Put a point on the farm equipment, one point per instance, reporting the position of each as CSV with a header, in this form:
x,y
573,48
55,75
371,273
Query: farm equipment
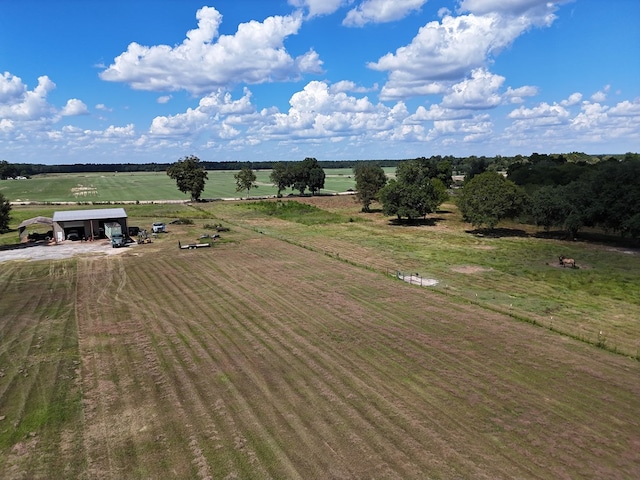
x,y
220,228
143,237
208,235
192,246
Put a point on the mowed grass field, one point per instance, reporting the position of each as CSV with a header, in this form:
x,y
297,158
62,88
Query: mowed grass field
x,y
145,186
290,350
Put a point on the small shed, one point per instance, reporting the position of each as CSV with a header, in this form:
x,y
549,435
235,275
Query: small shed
x,y
87,224
22,228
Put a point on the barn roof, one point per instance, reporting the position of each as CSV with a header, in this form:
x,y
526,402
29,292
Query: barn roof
x,y
31,221
96,214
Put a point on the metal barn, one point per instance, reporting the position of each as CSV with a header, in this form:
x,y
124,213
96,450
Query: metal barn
x,y
86,224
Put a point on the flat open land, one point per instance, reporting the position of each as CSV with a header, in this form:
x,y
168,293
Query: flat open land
x,y
293,351
145,186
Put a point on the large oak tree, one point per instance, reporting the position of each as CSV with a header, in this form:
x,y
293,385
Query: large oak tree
x,y
413,193
370,178
488,198
190,176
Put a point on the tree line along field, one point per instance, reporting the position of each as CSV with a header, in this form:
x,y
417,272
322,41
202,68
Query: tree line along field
x,y
145,186
290,350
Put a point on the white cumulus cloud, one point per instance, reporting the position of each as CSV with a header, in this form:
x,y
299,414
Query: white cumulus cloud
x,y
205,61
626,109
349,86
319,112
446,51
319,7
601,95
19,103
574,99
478,92
540,12
74,107
211,114
540,111
380,11
515,95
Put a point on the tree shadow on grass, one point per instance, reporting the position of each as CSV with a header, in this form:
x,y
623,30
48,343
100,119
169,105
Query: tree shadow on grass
x,y
553,235
600,238
498,232
372,210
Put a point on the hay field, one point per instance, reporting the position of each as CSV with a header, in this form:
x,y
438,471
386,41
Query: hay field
x,y
288,351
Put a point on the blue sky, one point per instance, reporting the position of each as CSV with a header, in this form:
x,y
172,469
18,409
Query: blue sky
x,y
134,81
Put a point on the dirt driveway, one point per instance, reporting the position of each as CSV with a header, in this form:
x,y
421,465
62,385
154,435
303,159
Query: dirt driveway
x,y
53,251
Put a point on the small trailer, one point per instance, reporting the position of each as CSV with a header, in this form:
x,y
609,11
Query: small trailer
x,y
192,246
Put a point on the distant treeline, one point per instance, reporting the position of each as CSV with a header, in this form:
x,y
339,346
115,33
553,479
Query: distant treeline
x,y
460,165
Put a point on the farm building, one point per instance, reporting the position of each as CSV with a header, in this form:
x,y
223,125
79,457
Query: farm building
x,y
22,228
78,224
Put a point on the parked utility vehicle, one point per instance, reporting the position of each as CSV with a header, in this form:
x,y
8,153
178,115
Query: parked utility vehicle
x,y
117,240
158,227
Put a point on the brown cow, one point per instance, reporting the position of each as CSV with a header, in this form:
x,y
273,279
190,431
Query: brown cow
x,y
567,262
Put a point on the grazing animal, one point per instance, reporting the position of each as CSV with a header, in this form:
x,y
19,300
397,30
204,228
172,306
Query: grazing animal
x,y
567,262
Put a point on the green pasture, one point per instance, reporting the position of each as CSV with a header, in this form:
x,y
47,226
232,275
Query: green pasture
x,y
515,272
145,186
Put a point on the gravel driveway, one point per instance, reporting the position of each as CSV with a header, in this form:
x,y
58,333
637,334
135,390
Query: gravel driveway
x,y
53,251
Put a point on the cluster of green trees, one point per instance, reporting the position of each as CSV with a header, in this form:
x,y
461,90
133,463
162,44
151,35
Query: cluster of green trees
x,y
569,192
564,192
190,176
7,170
419,187
552,192
303,175
605,195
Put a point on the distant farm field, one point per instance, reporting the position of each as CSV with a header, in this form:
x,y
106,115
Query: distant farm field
x,y
149,186
290,349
